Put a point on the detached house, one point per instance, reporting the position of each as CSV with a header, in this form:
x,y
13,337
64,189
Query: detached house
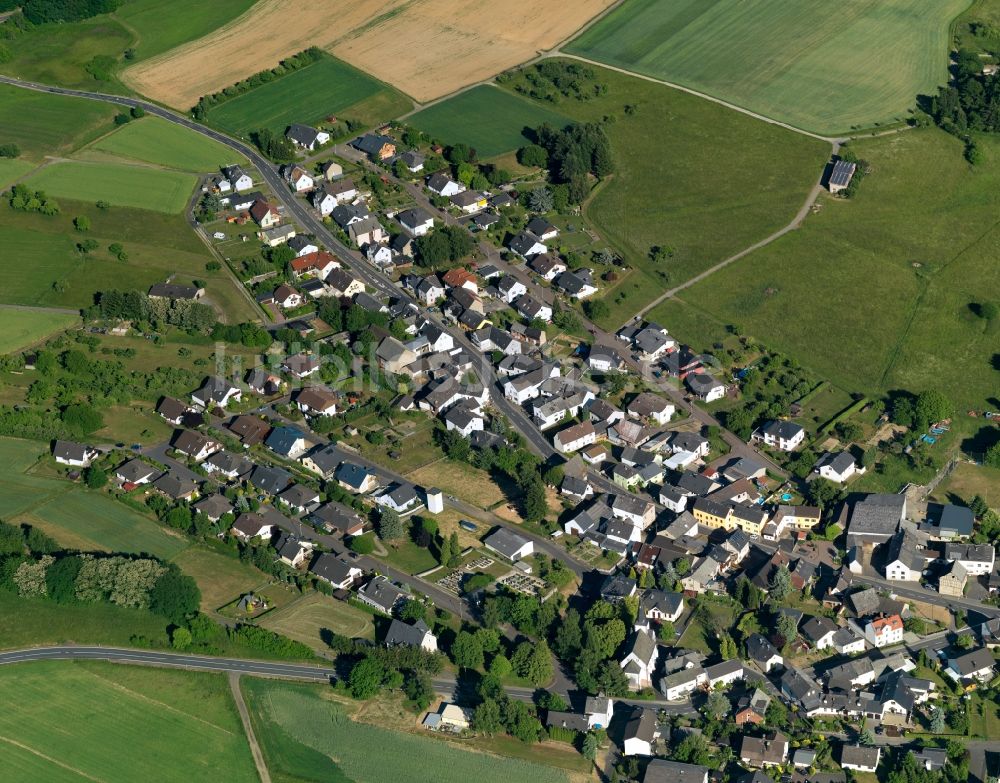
x,y
332,194
650,406
298,178
443,185
416,635
356,478
74,454
639,662
381,594
526,245
767,751
216,391
306,137
264,215
375,146
705,387
975,665
574,438
335,571
416,222
195,445
837,467
317,401
884,630
236,179
783,435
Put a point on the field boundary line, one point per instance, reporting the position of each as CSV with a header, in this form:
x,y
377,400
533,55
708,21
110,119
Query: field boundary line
x,y
51,760
143,697
697,94
241,708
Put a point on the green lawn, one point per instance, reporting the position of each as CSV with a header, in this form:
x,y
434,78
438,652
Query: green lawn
x,y
691,175
42,124
161,25
301,734
327,87
155,140
876,293
23,328
487,118
119,184
110,723
818,65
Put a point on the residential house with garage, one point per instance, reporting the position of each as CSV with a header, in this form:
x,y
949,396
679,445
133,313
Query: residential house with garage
x,y
640,732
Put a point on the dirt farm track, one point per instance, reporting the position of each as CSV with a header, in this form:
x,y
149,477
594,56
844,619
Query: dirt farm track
x,y
426,48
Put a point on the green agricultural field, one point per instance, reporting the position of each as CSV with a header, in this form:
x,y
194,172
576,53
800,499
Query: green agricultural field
x,y
42,124
689,177
487,118
818,65
327,87
51,272
83,519
301,734
60,53
26,622
118,184
161,25
24,328
154,140
127,725
12,170
74,516
878,292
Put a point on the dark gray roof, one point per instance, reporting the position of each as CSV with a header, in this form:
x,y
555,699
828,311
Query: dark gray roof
x,y
406,634
336,516
662,771
759,649
331,568
302,134
353,475
270,479
574,721
383,593
505,541
641,725
65,449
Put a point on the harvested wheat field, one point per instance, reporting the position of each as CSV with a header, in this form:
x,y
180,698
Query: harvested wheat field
x,y
426,48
